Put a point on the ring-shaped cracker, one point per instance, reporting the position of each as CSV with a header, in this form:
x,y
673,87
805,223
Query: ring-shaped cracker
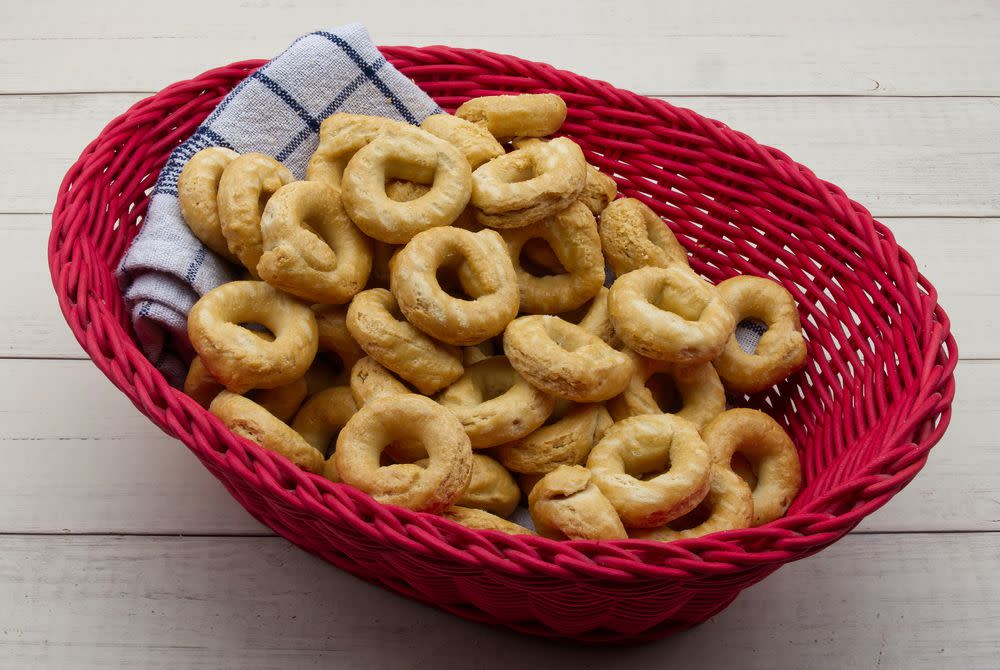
x,y
572,236
770,453
529,184
728,505
412,155
508,116
487,276
341,135
320,421
472,140
567,440
670,314
247,419
495,404
564,360
481,520
633,236
491,488
311,248
595,318
394,417
235,355
375,323
334,337
197,193
567,504
781,349
246,185
653,469
693,392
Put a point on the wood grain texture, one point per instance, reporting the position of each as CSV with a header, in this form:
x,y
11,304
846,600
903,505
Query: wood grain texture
x,y
769,47
955,254
897,156
78,458
915,602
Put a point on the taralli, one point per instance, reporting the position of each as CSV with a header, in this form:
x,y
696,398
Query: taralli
x,y
311,248
572,235
197,193
248,419
482,520
334,337
670,314
495,404
566,504
340,137
282,401
491,488
529,184
728,505
770,453
508,116
595,318
633,237
653,469
369,380
413,155
394,417
565,360
599,190
375,322
781,349
488,279
472,140
566,441
235,355
246,185
692,392
321,419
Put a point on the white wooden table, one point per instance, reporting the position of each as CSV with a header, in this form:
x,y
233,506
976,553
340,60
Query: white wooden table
x,y
118,550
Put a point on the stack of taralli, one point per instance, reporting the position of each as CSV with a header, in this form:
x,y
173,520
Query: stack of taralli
x,y
427,317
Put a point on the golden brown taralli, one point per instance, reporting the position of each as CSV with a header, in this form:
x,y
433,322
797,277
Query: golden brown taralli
x,y
572,236
769,451
481,520
246,185
567,504
395,417
564,360
238,357
567,440
472,140
495,404
728,505
310,247
508,116
653,469
692,392
375,322
670,314
248,419
633,237
321,419
781,349
197,193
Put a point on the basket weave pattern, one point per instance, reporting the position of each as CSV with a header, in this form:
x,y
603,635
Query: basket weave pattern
x,y
875,397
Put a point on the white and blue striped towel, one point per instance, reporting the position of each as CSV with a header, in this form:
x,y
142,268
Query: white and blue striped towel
x,y
276,111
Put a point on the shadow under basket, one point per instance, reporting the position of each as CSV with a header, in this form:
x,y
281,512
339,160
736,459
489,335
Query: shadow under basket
x,y
874,398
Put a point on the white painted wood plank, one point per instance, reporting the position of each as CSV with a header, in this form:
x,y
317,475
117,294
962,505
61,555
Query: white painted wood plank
x,y
914,601
957,255
898,156
79,458
710,47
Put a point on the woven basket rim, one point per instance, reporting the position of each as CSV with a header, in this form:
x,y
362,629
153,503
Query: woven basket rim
x,y
113,350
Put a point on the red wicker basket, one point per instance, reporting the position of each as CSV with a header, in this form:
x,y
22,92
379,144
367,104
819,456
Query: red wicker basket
x,y
875,397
